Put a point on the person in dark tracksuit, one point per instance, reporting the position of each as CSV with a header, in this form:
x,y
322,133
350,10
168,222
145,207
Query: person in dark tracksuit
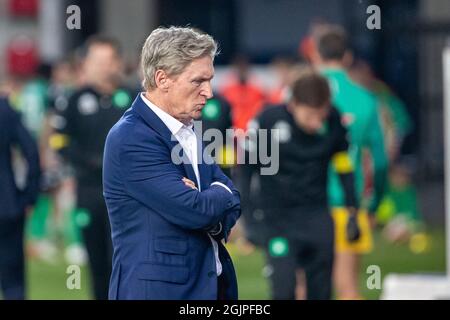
x,y
14,202
80,136
298,227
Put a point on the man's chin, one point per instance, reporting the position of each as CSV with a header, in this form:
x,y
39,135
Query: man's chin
x,y
197,115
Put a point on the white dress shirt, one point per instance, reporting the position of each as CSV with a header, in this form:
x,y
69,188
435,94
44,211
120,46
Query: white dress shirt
x,y
188,141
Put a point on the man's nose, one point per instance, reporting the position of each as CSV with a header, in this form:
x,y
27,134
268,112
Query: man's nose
x,y
207,90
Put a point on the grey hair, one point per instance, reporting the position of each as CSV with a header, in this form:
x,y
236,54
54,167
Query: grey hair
x,y
172,50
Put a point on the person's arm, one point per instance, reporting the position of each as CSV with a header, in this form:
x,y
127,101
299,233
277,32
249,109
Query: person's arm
x,y
222,229
402,120
342,162
232,215
22,138
375,144
248,148
153,179
343,166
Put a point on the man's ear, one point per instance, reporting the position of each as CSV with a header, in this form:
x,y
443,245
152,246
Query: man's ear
x,y
162,80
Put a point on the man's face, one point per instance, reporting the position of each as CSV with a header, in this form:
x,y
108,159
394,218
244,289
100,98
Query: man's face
x,y
102,64
310,119
188,92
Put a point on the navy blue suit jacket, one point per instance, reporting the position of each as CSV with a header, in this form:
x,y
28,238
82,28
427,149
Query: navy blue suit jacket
x,y
161,246
13,200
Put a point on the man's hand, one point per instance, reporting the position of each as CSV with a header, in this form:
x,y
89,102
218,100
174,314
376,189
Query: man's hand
x,y
214,231
221,230
189,183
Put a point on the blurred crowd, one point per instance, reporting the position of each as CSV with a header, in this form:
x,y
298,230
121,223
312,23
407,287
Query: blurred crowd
x,y
68,108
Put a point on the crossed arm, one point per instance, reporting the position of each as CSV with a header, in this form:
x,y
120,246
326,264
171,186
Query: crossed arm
x,y
153,179
223,228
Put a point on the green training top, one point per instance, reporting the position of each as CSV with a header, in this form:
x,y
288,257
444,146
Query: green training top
x,y
359,112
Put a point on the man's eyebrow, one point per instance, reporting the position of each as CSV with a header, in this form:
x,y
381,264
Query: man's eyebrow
x,y
200,78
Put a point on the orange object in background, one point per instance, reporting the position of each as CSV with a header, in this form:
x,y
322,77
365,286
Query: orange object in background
x,y
246,101
306,48
242,93
276,96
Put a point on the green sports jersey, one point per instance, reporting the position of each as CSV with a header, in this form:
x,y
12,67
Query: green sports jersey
x,y
397,109
359,112
32,104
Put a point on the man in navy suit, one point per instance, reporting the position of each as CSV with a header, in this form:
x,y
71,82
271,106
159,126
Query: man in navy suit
x,y
169,207
14,202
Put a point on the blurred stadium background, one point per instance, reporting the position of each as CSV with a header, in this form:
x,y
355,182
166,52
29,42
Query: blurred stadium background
x,y
406,54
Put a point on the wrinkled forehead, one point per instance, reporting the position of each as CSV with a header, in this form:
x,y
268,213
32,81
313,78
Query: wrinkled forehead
x,y
200,68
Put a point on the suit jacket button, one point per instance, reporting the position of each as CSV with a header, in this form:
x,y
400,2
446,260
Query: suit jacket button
x,y
211,274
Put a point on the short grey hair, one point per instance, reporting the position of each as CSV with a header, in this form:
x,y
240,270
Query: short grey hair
x,y
172,50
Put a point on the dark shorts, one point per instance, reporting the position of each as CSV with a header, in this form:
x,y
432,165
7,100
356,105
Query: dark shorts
x,y
303,241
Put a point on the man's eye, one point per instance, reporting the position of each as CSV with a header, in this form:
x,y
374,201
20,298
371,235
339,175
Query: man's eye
x,y
196,82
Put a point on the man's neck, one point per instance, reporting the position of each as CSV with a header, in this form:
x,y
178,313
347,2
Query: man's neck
x,y
155,98
158,101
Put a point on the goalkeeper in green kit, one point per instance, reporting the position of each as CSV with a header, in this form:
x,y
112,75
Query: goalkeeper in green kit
x,y
360,115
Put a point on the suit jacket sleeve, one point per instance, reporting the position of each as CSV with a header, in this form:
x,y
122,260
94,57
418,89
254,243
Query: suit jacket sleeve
x,y
22,138
151,177
342,162
232,214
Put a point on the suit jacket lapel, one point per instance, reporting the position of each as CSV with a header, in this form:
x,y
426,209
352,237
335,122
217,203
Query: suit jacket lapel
x,y
158,125
203,168
189,169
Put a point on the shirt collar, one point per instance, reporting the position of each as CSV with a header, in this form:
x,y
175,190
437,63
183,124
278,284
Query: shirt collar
x,y
173,124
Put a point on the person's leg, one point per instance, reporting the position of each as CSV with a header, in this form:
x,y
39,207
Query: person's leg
x,y
40,230
282,267
65,202
98,247
12,262
97,238
345,275
319,261
348,254
74,251
318,278
300,288
37,223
